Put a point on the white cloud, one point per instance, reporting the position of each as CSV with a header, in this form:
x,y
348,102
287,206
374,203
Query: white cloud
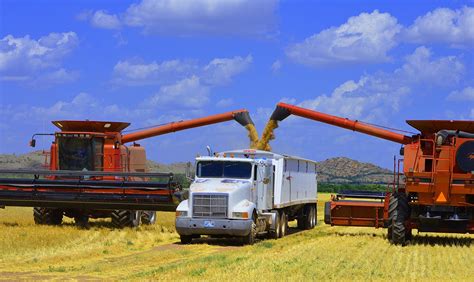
x,y
231,17
466,94
26,59
219,71
137,72
102,19
420,67
276,66
187,93
224,103
375,97
443,25
364,38
472,113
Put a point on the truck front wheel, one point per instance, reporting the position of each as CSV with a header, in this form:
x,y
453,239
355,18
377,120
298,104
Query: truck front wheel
x,y
250,238
186,239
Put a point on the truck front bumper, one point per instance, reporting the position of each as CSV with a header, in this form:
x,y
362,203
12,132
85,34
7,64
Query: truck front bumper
x,y
198,226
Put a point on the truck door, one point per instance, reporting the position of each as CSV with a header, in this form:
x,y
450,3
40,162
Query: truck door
x,y
265,184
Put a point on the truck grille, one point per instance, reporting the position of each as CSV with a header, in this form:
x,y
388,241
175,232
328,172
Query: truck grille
x,y
208,205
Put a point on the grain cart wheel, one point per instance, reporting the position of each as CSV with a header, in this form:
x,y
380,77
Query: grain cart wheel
x,y
398,216
283,224
47,216
275,234
81,220
149,217
126,218
250,238
186,239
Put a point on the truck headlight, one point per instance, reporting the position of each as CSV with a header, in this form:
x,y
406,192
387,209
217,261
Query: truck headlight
x,y
181,213
241,214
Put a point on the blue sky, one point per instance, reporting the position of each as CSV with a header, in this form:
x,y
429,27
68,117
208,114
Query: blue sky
x,y
151,62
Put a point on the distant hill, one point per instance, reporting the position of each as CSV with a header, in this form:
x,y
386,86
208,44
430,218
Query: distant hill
x,y
334,170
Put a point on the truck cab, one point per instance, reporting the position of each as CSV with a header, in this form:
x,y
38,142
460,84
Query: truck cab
x,y
239,194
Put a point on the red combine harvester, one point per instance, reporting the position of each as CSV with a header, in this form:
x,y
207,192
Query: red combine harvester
x,y
92,174
438,191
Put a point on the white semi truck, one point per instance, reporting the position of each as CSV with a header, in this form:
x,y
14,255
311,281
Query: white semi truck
x,y
248,193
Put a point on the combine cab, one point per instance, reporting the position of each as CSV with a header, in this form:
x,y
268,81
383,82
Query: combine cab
x,y
438,170
93,174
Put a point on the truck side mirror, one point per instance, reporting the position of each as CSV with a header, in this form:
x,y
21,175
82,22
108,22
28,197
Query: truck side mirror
x,y
33,143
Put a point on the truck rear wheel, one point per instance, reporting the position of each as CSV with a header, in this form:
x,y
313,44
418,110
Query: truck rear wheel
x,y
126,218
283,224
149,217
275,234
48,216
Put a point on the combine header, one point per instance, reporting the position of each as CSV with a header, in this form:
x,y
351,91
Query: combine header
x,y
93,174
438,168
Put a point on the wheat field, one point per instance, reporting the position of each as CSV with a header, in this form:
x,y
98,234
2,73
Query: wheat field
x,y
31,252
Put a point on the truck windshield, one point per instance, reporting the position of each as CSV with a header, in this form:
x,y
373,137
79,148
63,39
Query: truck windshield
x,y
224,169
77,153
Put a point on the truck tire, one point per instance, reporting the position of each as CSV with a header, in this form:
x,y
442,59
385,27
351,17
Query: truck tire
x,y
186,239
149,217
398,214
301,220
250,238
47,216
275,234
309,214
126,218
283,224
327,212
314,216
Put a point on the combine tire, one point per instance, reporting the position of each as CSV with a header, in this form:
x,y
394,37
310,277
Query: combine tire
x,y
283,224
149,217
399,212
186,239
47,216
126,218
275,234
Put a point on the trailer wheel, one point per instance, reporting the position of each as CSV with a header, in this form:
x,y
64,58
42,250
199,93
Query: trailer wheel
x,y
314,216
283,224
126,218
149,217
398,214
47,216
186,239
309,217
275,234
